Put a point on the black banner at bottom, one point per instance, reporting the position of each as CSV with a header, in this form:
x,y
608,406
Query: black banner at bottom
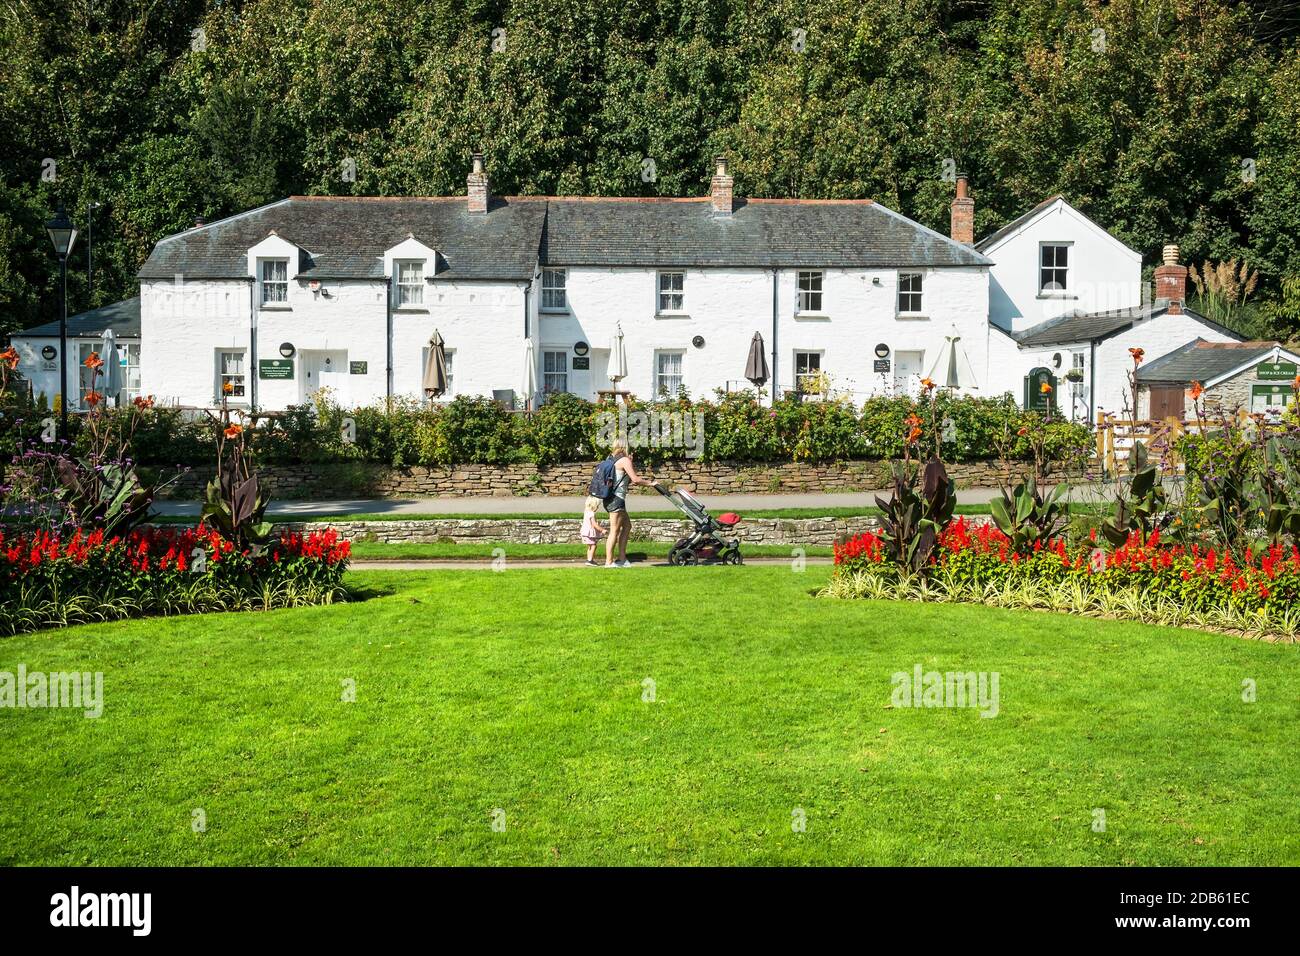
x,y
337,905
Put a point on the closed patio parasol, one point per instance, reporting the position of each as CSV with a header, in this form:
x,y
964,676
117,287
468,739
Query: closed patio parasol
x,y
756,364
110,383
435,368
952,369
617,357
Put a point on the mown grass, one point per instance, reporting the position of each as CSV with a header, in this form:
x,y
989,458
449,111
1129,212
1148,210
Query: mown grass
x,y
525,691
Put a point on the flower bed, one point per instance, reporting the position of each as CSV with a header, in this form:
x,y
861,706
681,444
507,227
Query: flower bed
x,y
1255,593
49,581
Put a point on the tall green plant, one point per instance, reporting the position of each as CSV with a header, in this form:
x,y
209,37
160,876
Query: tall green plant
x,y
1143,507
1029,517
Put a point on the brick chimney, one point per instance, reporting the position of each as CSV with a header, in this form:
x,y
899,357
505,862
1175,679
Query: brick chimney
x,y
963,213
480,190
720,193
1171,282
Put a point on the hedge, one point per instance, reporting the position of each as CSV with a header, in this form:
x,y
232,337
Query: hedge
x,y
737,427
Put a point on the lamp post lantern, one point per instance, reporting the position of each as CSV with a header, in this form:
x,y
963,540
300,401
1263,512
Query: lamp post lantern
x,y
62,236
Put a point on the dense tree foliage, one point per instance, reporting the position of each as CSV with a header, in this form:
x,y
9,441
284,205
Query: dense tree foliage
x,y
1165,120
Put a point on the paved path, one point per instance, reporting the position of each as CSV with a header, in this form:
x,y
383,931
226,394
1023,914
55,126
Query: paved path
x,y
518,564
567,505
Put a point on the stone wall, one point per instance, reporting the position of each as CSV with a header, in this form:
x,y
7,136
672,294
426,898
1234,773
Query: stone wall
x,y
503,481
787,531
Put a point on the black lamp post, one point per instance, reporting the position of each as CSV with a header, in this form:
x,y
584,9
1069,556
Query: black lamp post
x,y
62,234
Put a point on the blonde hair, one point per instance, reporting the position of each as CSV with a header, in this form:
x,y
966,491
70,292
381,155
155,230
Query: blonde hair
x,y
592,503
619,446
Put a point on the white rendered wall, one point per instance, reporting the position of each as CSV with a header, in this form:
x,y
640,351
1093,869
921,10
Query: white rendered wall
x,y
1103,273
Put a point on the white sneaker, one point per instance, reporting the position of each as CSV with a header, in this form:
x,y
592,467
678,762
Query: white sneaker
x,y
625,563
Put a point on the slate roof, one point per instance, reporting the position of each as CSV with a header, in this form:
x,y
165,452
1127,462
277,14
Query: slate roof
x,y
759,233
122,317
1202,361
1094,326
345,237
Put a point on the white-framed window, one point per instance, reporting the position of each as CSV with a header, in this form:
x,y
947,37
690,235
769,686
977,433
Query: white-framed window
x,y
274,274
410,282
810,291
1077,361
807,365
555,371
1053,267
910,297
84,375
672,292
129,356
668,373
553,290
449,361
231,368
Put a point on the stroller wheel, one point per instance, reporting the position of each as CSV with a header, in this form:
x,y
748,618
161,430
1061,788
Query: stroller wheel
x,y
686,559
733,557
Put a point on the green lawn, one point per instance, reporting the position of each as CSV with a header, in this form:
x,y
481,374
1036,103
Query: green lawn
x,y
636,550
523,691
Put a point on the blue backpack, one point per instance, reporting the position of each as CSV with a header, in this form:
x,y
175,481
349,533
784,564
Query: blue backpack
x,y
602,478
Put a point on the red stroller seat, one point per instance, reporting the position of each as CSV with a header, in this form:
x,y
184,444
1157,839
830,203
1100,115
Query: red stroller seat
x,y
728,519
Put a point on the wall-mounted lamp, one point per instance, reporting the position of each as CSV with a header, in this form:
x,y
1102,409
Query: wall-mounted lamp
x,y
287,349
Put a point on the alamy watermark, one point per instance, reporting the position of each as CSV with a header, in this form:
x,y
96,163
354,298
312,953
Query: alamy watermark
x,y
654,429
37,690
922,688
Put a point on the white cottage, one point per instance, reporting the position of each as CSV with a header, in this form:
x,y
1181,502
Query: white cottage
x,y
1067,303
528,294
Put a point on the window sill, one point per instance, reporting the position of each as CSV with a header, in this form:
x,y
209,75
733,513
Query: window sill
x,y
912,317
1056,295
275,308
553,311
412,309
813,316
672,315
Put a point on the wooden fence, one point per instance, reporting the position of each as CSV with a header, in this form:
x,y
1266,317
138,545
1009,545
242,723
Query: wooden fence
x,y
1117,436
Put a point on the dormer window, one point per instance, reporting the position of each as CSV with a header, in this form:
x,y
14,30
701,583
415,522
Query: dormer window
x,y
410,282
275,281
1053,267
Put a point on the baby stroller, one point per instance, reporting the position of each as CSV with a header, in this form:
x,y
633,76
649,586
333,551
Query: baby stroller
x,y
704,545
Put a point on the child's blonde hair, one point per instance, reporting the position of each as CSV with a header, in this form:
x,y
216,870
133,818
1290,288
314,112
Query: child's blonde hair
x,y
592,504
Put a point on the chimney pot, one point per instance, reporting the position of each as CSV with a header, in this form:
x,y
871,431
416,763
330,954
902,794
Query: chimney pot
x,y
963,213
722,189
478,187
200,221
1171,281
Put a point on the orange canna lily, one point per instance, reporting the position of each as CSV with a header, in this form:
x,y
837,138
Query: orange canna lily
x,y
93,398
227,387
10,357
94,361
1137,354
1045,388
1197,390
233,431
927,384
141,402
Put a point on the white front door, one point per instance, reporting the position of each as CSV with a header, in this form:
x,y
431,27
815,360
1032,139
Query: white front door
x,y
324,369
909,366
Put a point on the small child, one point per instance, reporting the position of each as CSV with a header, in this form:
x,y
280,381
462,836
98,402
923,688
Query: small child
x,y
592,530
